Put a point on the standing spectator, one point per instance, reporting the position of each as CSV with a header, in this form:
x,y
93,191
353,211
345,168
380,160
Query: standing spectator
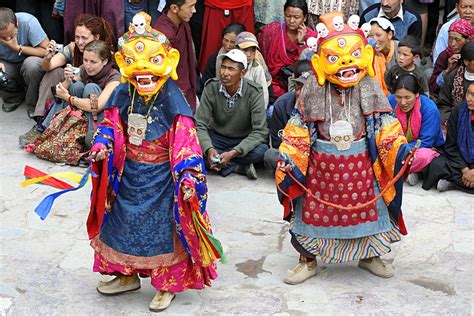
x,y
404,22
459,33
22,45
409,51
454,169
453,90
174,23
282,43
112,11
230,122
218,14
465,9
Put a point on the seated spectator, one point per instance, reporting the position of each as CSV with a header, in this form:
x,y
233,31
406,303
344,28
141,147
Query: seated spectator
x,y
385,49
454,169
459,33
174,23
409,51
22,45
230,121
465,9
282,42
420,120
453,90
248,44
229,35
97,76
282,110
87,29
404,22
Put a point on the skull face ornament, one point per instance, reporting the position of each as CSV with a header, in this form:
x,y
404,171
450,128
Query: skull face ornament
x,y
366,28
341,134
322,30
137,126
353,22
139,23
338,23
312,43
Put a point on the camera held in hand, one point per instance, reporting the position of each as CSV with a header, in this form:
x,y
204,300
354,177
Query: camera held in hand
x,y
3,80
56,99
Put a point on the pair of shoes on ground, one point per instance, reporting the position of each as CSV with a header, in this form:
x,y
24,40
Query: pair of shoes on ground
x,y
124,284
306,269
247,170
444,185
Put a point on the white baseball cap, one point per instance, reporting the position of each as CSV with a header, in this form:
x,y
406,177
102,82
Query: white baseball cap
x,y
236,55
383,23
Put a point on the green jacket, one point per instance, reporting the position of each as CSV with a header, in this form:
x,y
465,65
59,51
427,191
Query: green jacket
x,y
247,119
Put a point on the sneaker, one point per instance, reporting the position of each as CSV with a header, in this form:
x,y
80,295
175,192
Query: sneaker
x,y
444,185
413,179
377,267
118,285
247,170
29,137
161,301
303,271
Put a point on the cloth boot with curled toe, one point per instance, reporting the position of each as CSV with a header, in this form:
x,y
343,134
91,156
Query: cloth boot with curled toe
x,y
120,284
161,301
304,270
377,267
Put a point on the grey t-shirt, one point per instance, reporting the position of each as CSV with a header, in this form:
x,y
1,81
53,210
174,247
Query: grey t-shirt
x,y
30,33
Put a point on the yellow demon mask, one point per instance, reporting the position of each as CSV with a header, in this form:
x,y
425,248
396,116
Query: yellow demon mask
x,y
343,56
145,57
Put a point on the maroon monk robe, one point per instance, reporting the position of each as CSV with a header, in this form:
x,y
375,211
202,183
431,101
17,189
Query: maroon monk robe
x,y
181,39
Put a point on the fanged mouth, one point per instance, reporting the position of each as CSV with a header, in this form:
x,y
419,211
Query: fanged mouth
x,y
146,82
348,74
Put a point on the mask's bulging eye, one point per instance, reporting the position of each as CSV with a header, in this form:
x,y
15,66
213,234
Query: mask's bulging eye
x,y
129,60
356,54
158,60
332,59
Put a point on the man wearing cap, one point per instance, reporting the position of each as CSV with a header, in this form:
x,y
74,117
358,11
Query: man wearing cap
x,y
404,21
230,122
248,44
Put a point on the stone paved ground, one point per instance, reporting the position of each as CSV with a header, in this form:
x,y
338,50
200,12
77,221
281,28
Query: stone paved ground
x,y
45,267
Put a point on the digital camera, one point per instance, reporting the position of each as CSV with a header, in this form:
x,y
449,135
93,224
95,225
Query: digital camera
x,y
3,80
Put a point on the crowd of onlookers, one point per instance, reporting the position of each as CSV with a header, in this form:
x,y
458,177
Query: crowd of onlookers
x,y
242,67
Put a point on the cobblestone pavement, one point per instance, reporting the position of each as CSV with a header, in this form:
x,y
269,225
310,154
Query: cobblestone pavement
x,y
46,265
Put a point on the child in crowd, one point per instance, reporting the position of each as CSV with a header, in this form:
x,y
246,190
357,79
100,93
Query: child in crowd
x,y
248,44
409,51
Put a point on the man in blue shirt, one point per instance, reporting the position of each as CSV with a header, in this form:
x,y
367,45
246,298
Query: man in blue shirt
x,y
405,22
22,46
